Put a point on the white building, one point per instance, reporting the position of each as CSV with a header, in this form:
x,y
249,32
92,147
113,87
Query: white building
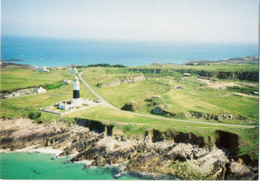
x,y
67,82
43,69
6,95
16,94
76,102
186,74
87,102
74,71
65,105
39,90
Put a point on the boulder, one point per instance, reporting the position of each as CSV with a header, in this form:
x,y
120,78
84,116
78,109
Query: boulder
x,y
124,80
237,170
161,111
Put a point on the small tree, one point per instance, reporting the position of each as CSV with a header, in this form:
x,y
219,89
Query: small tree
x,y
34,114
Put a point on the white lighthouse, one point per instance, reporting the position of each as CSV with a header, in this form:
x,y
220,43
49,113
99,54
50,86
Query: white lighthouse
x,y
76,95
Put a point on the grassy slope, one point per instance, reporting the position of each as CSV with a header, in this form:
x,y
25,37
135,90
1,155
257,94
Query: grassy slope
x,y
21,106
208,67
20,78
194,97
126,123
132,125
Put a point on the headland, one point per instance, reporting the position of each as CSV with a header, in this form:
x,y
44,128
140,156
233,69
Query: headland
x,y
192,121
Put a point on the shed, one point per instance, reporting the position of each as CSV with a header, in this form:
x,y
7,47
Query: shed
x,y
74,71
39,90
67,82
43,69
186,74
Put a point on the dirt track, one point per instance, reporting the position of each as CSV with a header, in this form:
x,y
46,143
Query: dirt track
x,y
157,117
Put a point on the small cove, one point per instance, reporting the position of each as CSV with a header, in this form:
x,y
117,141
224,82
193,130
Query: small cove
x,y
25,165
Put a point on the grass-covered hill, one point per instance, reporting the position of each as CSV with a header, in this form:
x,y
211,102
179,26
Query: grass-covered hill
x,y
178,97
177,94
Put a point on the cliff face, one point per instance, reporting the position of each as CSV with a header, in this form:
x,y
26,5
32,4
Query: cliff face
x,y
184,155
241,75
200,115
251,76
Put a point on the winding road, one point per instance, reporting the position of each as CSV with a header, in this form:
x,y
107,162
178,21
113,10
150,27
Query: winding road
x,y
151,116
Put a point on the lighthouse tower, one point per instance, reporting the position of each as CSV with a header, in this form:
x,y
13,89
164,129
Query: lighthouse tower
x,y
76,96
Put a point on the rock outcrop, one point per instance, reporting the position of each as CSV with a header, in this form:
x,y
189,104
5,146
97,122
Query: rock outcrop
x,y
124,80
206,116
184,155
241,75
238,171
159,110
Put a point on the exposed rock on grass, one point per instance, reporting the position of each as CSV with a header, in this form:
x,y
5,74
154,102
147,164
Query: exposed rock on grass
x,y
124,80
161,111
184,155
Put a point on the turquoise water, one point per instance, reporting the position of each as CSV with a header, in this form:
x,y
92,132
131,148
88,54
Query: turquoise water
x,y
42,166
56,52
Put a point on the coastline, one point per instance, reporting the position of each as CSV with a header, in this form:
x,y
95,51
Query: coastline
x,y
31,149
122,52
87,163
147,155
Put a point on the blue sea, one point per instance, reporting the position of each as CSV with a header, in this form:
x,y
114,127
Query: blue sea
x,y
56,52
42,166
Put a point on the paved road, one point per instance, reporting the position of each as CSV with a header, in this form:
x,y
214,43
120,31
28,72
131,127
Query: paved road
x,y
157,117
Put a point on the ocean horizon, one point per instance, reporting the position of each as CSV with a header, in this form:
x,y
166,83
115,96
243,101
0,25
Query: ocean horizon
x,y
63,52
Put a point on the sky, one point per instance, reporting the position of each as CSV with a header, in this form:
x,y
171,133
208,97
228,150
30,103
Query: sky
x,y
144,20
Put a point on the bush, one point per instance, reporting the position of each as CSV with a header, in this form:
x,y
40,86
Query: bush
x,y
105,65
128,107
53,86
34,115
4,117
127,128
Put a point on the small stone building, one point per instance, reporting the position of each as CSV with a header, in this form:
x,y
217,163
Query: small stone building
x,y
186,74
74,71
65,105
39,90
43,69
67,82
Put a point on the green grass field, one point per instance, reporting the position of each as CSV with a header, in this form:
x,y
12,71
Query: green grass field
x,y
19,78
133,125
194,97
207,67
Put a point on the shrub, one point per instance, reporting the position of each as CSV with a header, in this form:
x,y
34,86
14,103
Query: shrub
x,y
53,86
4,117
34,115
128,107
116,146
246,89
127,128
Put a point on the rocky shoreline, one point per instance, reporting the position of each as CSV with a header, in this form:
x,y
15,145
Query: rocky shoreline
x,y
183,155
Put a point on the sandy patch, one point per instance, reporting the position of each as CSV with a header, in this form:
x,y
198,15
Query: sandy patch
x,y
33,149
218,85
245,95
40,150
249,84
112,144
